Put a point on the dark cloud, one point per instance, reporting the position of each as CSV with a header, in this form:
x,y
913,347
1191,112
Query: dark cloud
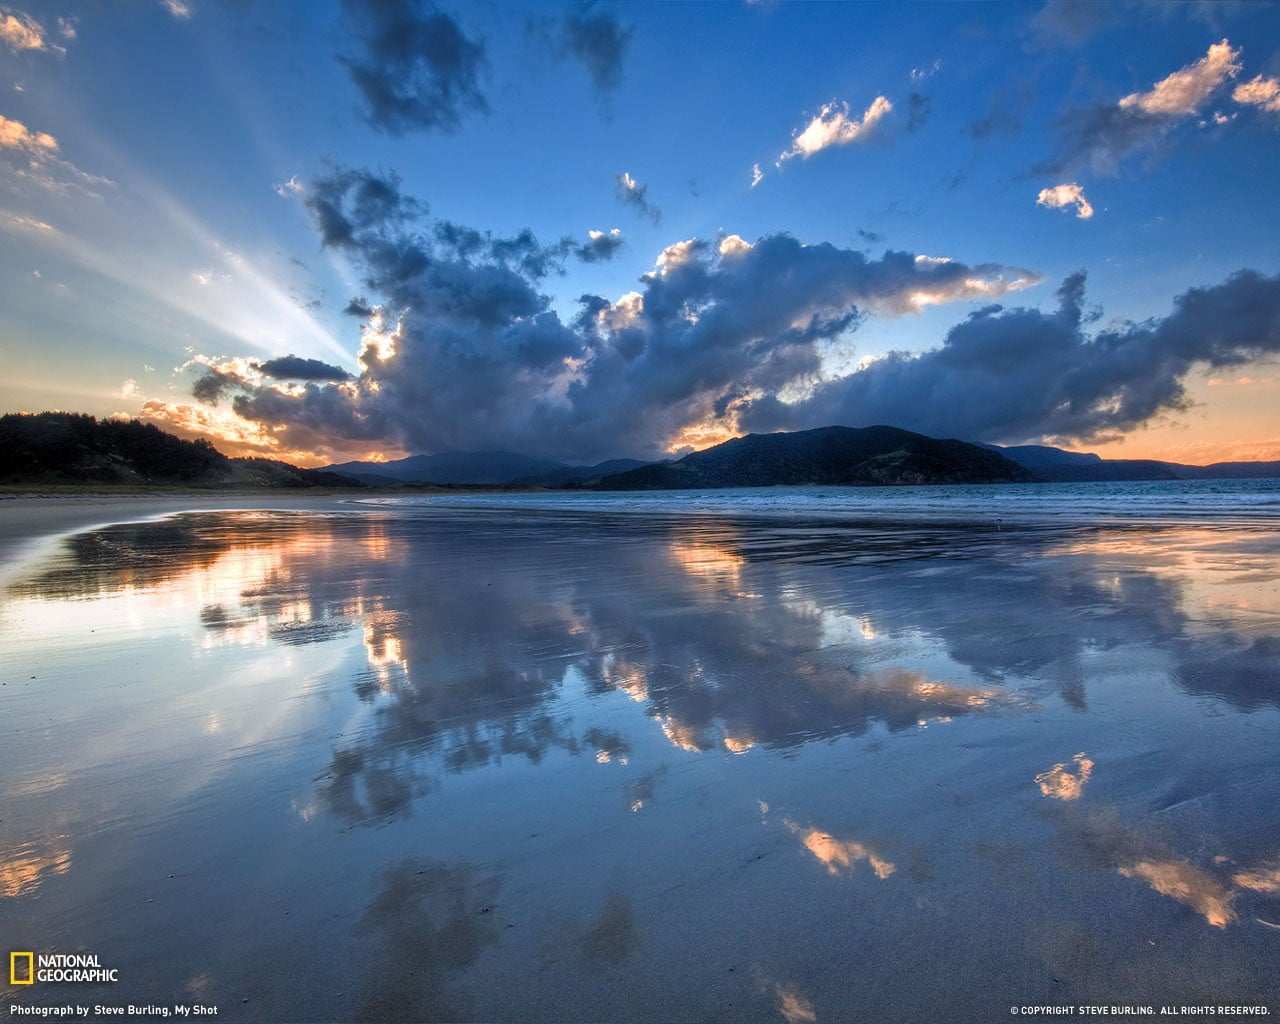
x,y
917,111
1008,109
1099,137
464,349
214,384
870,237
1020,374
1072,23
298,368
599,41
601,246
1069,22
635,194
348,202
414,65
474,357
359,306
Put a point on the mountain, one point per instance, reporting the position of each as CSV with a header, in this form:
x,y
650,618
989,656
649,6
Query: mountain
x,y
1054,465
70,448
454,468
828,455
576,476
1231,471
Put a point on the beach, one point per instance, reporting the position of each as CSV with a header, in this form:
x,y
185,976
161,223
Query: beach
x,y
790,756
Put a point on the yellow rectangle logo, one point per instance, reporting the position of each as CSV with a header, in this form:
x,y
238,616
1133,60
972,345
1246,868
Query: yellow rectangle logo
x,y
17,958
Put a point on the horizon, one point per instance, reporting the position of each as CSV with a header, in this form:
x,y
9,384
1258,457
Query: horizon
x,y
370,232
671,457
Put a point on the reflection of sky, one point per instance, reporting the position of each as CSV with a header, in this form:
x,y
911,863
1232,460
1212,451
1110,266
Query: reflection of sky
x,y
477,688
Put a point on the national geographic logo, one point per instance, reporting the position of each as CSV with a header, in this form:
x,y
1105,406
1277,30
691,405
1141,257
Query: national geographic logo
x,y
28,968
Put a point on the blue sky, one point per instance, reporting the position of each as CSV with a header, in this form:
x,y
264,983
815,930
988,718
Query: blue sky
x,y
166,168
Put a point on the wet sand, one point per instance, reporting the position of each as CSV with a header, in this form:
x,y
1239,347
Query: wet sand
x,y
335,762
26,517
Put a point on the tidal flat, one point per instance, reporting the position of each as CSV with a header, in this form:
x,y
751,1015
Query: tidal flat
x,y
554,763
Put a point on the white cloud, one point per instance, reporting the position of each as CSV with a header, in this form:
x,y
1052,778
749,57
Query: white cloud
x,y
928,71
178,8
1062,196
287,188
757,175
43,165
834,127
1259,92
16,135
20,32
1185,91
24,223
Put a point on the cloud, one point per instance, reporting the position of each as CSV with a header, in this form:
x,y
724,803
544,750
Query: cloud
x,y
714,323
178,8
1068,22
1008,109
757,175
298,368
414,66
632,192
16,135
1259,92
834,127
600,246
350,202
21,32
1012,375
1184,92
599,41
288,188
917,111
1062,196
928,71
40,161
23,222
1101,136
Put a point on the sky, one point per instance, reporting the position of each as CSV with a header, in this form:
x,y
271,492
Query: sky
x,y
368,228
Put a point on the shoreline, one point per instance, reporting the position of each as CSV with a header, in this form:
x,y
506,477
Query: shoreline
x,y
30,519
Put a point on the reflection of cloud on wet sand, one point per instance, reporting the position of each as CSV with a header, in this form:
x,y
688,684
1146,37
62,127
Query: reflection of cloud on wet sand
x,y
613,935
839,856
464,662
1102,836
1060,783
1187,884
430,921
26,866
1265,878
793,1004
